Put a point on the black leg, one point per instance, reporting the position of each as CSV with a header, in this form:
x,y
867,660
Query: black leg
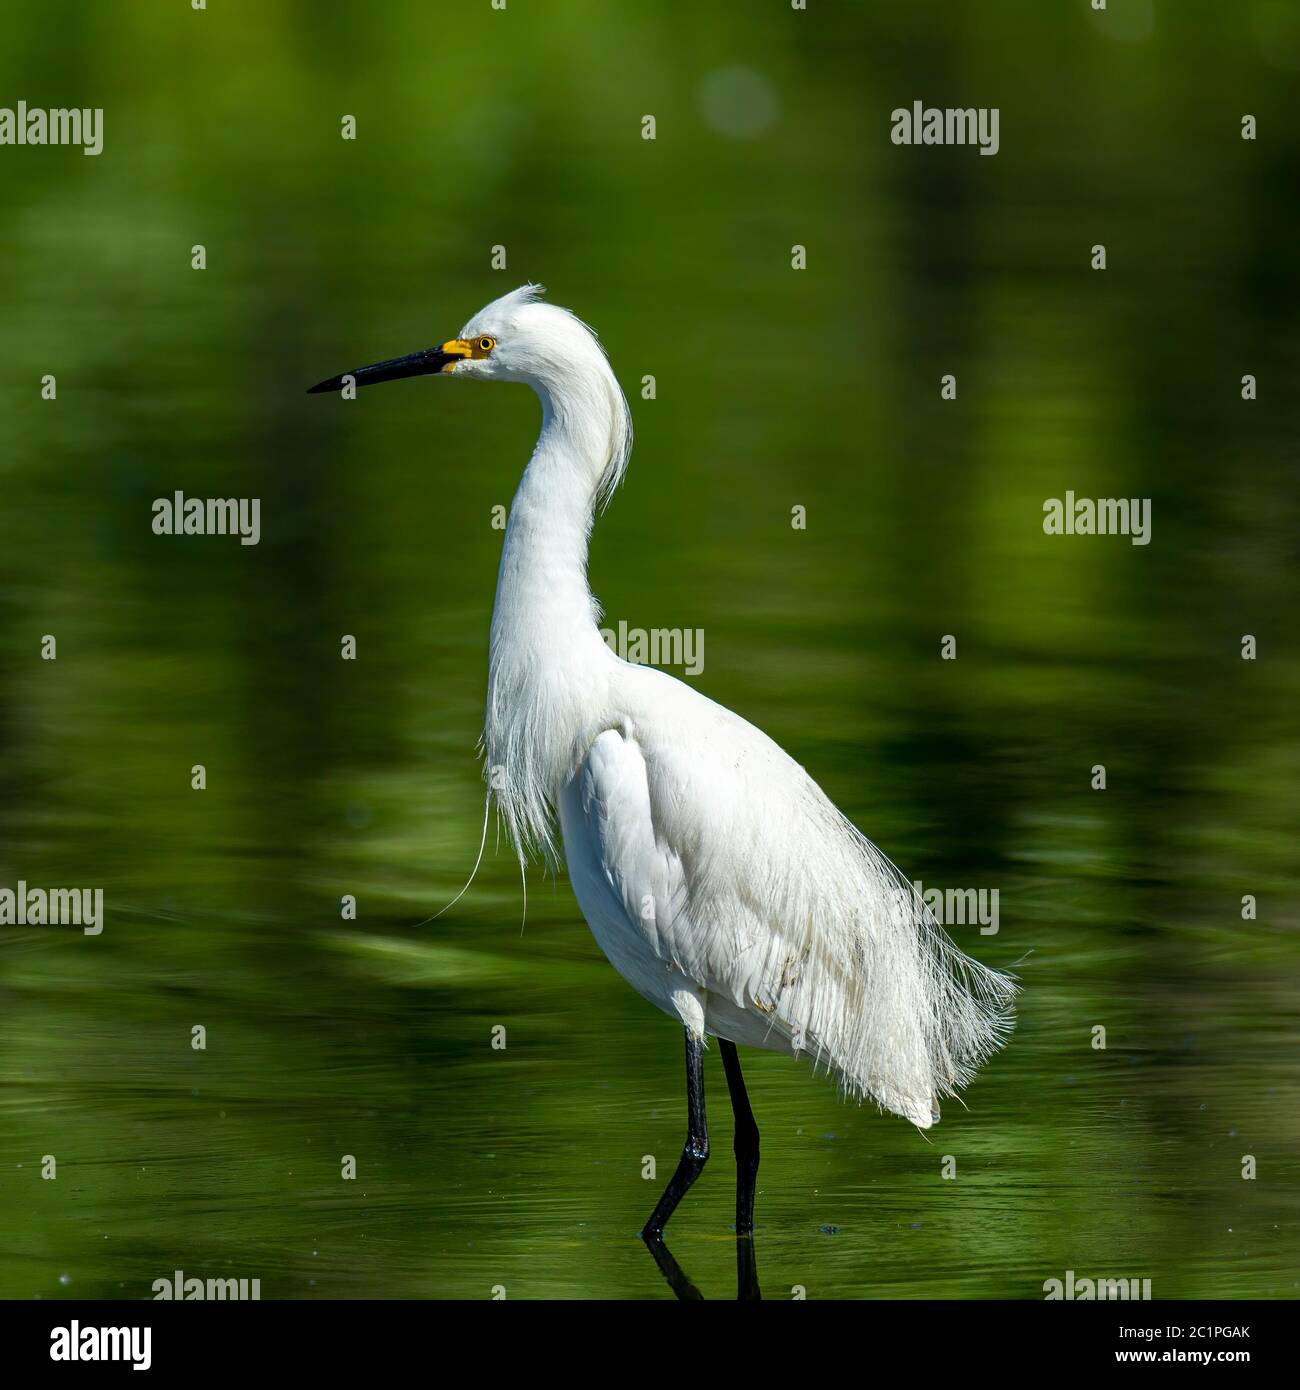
x,y
746,1144
696,1151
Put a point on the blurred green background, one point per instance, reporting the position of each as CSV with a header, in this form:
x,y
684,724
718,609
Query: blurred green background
x,y
475,127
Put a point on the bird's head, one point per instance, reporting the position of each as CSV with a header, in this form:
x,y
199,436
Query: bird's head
x,y
515,338
519,338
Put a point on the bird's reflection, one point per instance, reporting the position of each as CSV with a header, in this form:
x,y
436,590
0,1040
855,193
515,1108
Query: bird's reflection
x,y
747,1289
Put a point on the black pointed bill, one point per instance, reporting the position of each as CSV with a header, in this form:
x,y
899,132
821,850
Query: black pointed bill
x,y
427,363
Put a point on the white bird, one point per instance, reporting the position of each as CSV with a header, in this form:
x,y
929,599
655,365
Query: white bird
x,y
716,875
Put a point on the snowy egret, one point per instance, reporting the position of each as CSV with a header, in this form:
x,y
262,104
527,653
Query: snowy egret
x,y
716,875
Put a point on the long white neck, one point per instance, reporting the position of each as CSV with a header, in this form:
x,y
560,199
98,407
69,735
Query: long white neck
x,y
549,669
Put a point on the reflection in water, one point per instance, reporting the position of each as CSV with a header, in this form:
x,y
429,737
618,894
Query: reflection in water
x,y
747,1289
670,1269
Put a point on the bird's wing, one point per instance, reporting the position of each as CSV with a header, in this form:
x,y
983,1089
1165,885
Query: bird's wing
x,y
629,879
717,856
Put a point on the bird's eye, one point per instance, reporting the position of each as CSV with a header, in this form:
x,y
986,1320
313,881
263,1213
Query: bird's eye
x,y
487,344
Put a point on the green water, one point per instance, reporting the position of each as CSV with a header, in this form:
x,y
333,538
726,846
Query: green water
x,y
479,1167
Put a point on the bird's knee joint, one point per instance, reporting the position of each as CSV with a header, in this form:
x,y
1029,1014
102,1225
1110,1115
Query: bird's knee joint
x,y
696,1152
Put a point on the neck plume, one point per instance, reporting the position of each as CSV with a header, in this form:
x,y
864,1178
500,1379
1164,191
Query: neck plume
x,y
548,667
